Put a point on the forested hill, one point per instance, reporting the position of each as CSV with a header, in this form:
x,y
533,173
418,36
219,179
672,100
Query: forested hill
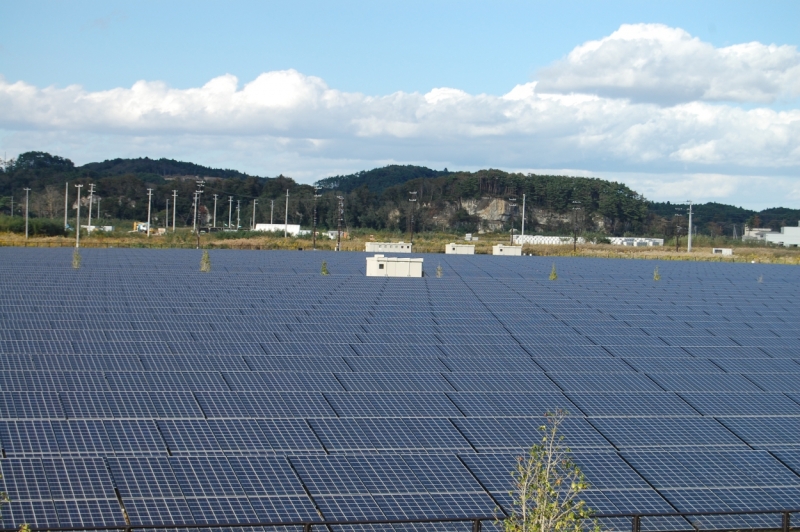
x,y
376,199
379,179
161,167
720,218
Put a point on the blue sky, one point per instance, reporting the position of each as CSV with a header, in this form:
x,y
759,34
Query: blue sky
x,y
343,86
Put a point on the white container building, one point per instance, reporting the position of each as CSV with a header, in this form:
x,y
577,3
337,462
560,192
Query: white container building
x,y
380,266
459,249
722,251
387,247
291,229
502,249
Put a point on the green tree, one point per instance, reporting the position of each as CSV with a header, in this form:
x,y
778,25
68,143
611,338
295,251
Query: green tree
x,y
205,262
547,486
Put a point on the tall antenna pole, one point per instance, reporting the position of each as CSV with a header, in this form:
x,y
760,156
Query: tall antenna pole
x,y
314,229
174,207
194,218
286,215
91,199
271,211
238,215
576,207
512,202
66,204
215,211
341,217
199,191
253,225
98,208
27,195
412,200
149,203
230,210
522,232
78,219
689,244
166,221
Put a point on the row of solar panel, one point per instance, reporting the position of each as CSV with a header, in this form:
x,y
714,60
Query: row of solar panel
x,y
280,405
412,481
34,437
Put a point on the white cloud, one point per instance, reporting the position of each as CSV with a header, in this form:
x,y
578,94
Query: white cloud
x,y
285,121
656,63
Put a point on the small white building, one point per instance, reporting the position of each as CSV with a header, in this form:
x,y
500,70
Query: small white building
x,y
388,247
104,228
758,234
722,251
380,266
502,249
459,249
546,240
291,229
636,241
788,237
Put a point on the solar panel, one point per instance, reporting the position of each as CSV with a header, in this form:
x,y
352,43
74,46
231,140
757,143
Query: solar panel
x,y
264,391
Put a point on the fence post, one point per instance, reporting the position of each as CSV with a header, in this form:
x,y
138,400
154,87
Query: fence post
x,y
307,527
476,525
787,522
636,523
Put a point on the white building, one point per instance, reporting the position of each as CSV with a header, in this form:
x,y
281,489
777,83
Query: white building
x,y
502,249
104,228
291,229
636,241
788,237
380,266
388,247
546,240
757,233
722,251
459,249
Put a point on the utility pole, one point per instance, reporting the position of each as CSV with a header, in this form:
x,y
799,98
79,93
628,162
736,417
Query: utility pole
x,y
215,211
98,208
199,191
78,219
271,211
66,204
166,218
194,218
12,206
238,215
314,229
512,202
149,203
27,196
522,232
575,210
341,217
174,207
412,200
91,199
253,225
286,216
689,244
677,237
230,210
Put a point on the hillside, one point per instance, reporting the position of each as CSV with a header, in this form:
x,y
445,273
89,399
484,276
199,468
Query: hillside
x,y
374,199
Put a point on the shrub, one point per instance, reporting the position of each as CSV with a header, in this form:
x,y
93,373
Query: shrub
x,y
205,262
553,274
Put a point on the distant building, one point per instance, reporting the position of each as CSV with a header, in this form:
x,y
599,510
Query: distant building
x,y
722,251
291,229
388,247
333,234
380,266
636,241
546,240
502,249
788,237
757,233
459,249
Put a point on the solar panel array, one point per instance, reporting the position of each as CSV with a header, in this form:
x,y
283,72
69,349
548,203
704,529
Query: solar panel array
x,y
139,390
